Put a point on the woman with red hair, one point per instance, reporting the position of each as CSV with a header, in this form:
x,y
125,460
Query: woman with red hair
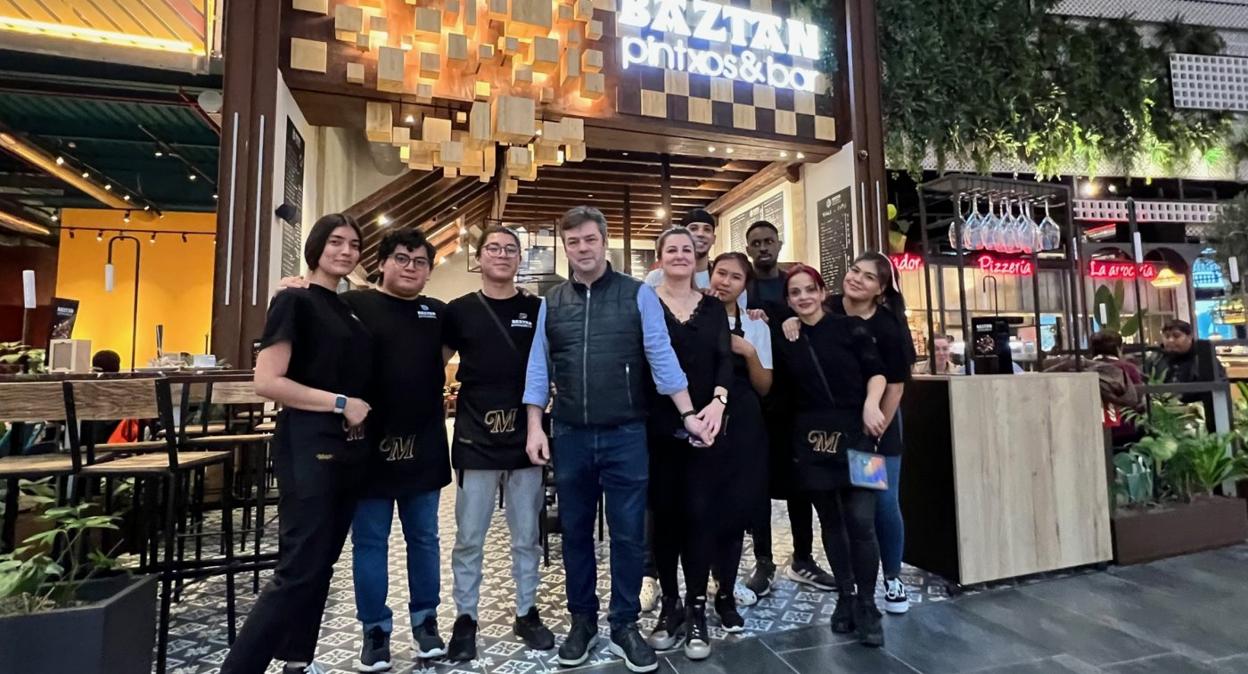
x,y
834,380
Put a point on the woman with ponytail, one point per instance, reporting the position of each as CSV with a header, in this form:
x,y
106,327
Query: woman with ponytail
x,y
869,291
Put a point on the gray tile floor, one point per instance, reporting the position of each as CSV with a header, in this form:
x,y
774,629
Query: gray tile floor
x,y
1188,614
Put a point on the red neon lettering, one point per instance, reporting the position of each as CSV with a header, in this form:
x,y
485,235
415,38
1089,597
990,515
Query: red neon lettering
x,y
907,262
1006,267
1118,269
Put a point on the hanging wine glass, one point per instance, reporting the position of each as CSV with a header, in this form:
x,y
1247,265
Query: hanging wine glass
x,y
1024,229
972,230
1037,241
988,228
954,241
1050,233
1005,231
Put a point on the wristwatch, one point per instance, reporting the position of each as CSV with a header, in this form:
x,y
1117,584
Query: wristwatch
x,y
340,404
723,398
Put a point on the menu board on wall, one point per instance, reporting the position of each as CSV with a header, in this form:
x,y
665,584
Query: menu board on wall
x,y
770,209
836,237
292,195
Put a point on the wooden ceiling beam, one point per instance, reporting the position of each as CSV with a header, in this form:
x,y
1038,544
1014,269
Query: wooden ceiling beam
x,y
751,186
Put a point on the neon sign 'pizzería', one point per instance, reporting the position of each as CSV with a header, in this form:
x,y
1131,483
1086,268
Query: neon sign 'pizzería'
x,y
760,35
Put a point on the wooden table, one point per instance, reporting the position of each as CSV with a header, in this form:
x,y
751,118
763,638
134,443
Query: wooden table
x,y
1004,475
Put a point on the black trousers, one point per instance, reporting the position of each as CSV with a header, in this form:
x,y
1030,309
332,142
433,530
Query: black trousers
x,y
847,518
285,622
801,522
684,490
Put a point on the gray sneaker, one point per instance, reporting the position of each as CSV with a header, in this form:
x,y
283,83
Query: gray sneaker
x,y
375,653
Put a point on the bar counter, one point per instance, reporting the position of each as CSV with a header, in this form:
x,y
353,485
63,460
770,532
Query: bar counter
x,y
1004,475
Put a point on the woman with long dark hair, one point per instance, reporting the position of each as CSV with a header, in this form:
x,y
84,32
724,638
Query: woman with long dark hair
x,y
869,291
686,475
315,358
745,445
834,381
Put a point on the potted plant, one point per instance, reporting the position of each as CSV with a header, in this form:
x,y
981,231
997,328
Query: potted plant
x,y
1165,486
58,584
19,358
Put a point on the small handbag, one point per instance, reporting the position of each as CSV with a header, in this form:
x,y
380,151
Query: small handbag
x,y
866,468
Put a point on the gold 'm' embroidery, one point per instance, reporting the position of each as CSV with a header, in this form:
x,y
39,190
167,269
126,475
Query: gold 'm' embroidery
x,y
501,421
823,442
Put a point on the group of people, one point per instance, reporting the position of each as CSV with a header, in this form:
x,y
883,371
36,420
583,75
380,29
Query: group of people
x,y
730,376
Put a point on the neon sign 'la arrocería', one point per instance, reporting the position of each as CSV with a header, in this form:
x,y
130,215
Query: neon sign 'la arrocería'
x,y
759,35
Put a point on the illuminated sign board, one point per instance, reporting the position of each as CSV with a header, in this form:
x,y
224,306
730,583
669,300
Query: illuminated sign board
x,y
906,261
1121,269
1207,274
749,42
1007,266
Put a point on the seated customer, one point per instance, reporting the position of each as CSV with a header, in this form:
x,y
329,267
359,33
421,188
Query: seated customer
x,y
1120,382
1180,362
942,345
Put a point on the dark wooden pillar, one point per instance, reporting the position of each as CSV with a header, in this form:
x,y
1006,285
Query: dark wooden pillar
x,y
628,230
861,68
245,184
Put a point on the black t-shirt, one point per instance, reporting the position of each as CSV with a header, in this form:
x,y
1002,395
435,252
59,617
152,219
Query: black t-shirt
x,y
766,294
490,419
890,338
406,425
330,350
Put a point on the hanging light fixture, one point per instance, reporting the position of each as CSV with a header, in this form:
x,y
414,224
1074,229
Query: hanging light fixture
x,y
1166,278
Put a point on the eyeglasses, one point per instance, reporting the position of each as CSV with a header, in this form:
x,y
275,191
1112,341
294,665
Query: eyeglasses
x,y
759,243
416,262
499,250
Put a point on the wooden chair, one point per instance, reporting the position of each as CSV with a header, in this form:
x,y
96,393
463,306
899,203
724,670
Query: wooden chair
x,y
24,403
168,471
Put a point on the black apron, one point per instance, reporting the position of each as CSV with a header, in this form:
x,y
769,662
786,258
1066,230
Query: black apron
x,y
314,454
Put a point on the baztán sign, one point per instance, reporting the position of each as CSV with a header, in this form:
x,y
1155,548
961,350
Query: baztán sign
x,y
760,35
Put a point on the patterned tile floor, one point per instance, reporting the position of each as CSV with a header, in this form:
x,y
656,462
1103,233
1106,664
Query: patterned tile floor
x,y
198,632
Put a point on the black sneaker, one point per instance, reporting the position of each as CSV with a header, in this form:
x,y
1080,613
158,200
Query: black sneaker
x,y
427,643
375,653
759,582
532,632
867,618
843,615
626,642
896,600
463,640
669,631
581,639
698,643
729,618
807,572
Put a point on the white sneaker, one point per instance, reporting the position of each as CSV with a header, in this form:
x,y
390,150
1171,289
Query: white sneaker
x,y
896,600
744,595
649,593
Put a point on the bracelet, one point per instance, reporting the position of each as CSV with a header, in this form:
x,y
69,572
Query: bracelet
x,y
686,415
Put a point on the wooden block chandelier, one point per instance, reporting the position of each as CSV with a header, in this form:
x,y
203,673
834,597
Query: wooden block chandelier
x,y
507,60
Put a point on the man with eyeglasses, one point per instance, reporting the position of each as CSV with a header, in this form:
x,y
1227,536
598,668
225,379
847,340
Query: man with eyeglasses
x,y
492,329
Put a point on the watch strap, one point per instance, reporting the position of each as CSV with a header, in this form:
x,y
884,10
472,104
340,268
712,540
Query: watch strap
x,y
340,404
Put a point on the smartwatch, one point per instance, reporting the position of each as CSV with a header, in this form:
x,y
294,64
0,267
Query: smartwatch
x,y
723,399
340,404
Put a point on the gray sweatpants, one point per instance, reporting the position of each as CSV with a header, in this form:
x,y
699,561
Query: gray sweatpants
x,y
475,500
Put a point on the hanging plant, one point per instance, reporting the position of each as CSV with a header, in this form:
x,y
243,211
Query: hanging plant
x,y
1229,231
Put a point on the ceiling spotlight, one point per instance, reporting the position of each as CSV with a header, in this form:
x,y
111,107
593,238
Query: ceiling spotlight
x,y
659,212
455,207
458,248
71,233
801,156
191,177
72,144
60,161
624,153
783,154
126,218
153,239
1113,189
728,150
162,216
1090,189
108,187
147,207
126,197
710,148
539,132
55,217
214,197
382,219
99,236
159,153
590,196
463,231
410,119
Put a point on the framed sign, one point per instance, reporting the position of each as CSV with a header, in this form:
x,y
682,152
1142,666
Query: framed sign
x,y
836,237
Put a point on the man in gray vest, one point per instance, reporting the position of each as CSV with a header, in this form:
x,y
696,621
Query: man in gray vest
x,y
597,335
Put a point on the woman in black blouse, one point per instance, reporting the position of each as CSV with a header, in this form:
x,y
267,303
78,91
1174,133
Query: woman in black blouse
x,y
834,380
686,475
315,358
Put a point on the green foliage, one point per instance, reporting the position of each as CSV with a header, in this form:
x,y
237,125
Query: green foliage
x,y
45,572
1112,299
29,359
1207,460
980,80
1229,230
1134,484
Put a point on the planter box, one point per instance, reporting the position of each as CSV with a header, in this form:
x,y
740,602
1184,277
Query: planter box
x,y
1178,529
112,635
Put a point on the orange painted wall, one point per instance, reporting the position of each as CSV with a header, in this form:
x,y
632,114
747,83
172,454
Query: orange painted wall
x,y
175,282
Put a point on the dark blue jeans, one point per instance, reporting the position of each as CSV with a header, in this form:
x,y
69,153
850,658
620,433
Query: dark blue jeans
x,y
370,540
591,460
889,527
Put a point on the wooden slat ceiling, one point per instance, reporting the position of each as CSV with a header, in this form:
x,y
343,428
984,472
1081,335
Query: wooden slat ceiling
x,y
600,181
166,25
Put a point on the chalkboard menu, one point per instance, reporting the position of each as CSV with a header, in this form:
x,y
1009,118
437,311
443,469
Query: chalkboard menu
x,y
836,237
770,209
292,195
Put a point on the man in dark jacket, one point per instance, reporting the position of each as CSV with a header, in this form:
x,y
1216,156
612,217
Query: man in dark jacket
x,y
595,336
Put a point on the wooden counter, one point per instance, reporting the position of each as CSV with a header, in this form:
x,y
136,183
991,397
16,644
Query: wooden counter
x,y
1004,475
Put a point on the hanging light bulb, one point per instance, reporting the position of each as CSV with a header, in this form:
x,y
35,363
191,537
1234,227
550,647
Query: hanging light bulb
x,y
126,219
60,161
153,239
99,236
86,175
